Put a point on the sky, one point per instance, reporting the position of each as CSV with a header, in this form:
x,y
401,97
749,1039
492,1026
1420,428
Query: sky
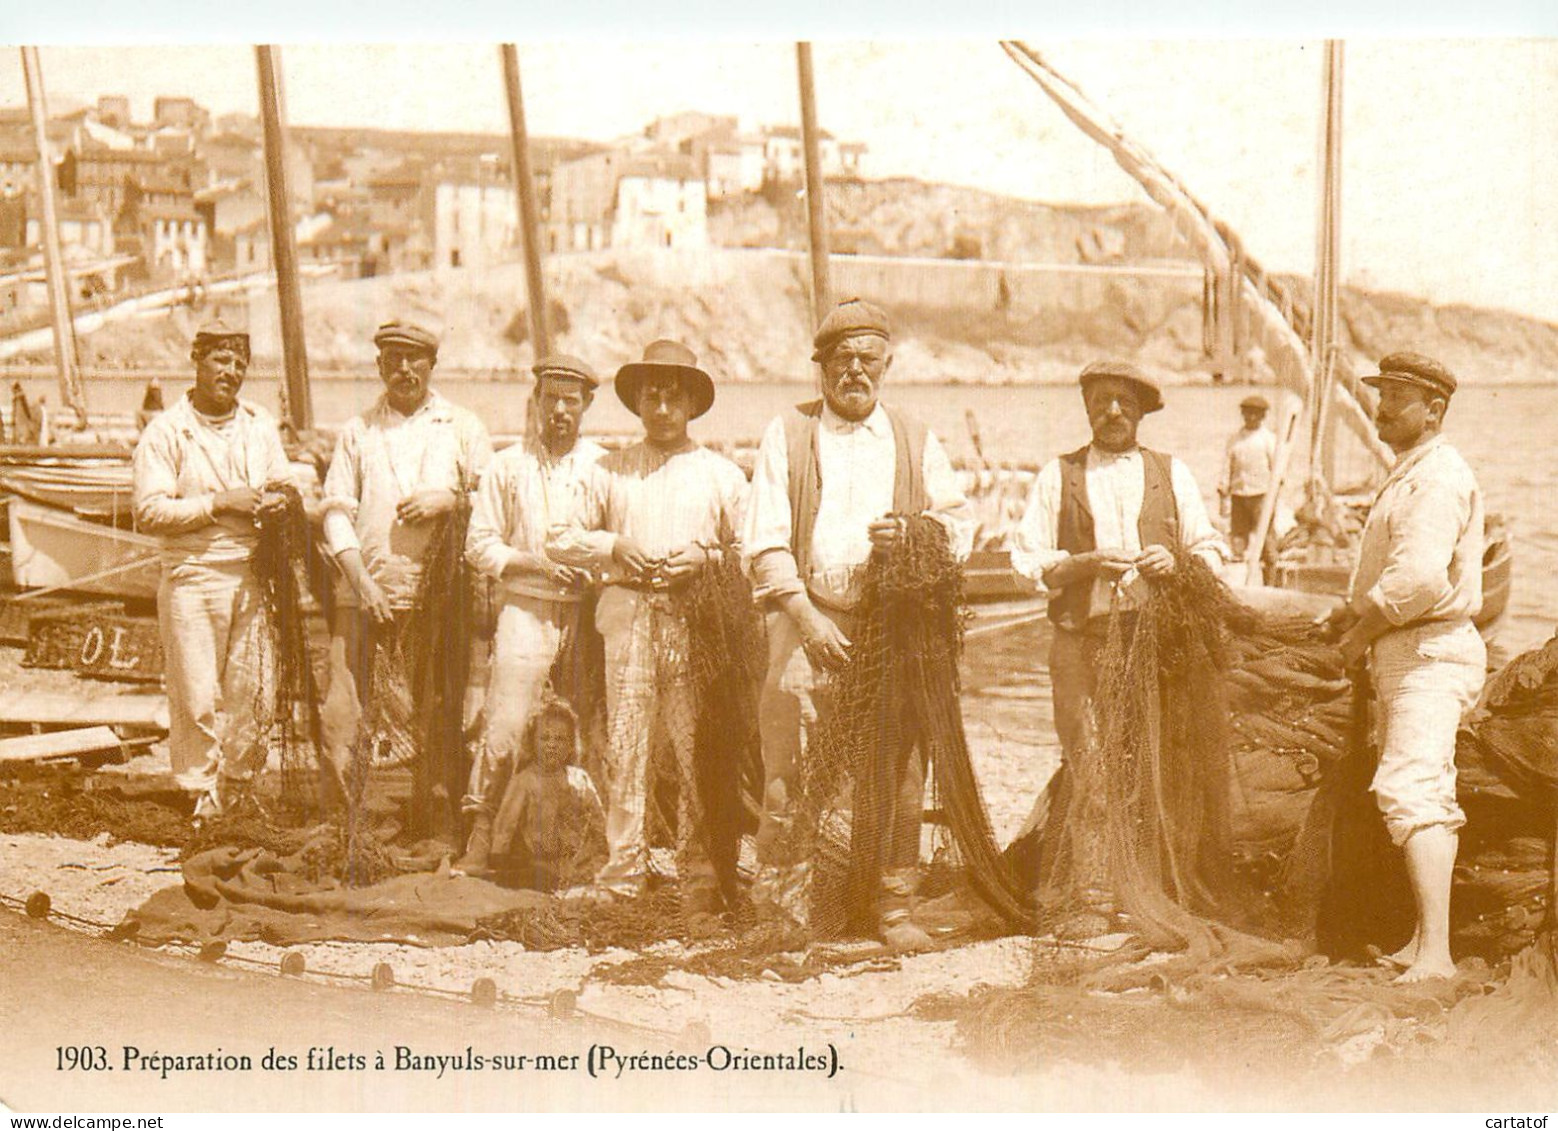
x,y
1450,145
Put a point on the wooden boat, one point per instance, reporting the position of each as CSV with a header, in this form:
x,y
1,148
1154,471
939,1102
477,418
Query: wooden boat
x,y
89,485
53,549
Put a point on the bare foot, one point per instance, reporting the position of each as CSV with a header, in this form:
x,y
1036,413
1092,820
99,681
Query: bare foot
x,y
1424,969
1403,959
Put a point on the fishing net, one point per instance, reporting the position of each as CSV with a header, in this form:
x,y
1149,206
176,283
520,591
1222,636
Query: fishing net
x,y
1204,804
292,702
689,684
437,652
578,678
893,713
727,655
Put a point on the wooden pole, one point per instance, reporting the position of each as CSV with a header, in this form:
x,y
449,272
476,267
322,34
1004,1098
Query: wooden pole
x,y
1323,329
816,203
284,255
71,391
529,217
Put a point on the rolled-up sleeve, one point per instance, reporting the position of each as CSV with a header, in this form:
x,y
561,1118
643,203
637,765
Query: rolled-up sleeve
x,y
1034,549
487,547
1196,532
767,530
157,505
948,505
342,490
1425,526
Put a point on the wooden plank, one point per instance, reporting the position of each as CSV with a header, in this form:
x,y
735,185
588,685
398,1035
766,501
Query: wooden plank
x,y
81,710
61,743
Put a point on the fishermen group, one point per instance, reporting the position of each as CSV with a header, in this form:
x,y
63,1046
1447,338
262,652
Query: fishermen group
x,y
556,518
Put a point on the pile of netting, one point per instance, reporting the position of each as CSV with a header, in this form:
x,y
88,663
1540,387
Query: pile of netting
x,y
1144,820
894,719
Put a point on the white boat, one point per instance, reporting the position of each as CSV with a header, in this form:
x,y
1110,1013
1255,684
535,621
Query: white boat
x,y
53,549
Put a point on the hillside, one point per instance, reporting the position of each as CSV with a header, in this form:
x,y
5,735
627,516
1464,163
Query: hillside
x,y
745,311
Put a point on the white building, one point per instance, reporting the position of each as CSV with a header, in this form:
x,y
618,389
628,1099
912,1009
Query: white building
x,y
784,154
473,223
661,202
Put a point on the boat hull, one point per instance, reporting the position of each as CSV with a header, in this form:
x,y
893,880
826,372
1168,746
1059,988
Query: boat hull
x,y
52,549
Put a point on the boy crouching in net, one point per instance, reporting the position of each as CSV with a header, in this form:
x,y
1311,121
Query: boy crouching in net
x,y
550,829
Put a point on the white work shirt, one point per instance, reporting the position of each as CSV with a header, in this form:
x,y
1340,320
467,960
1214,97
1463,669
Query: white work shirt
x,y
526,493
1249,463
383,457
663,502
1421,554
857,465
184,459
1116,484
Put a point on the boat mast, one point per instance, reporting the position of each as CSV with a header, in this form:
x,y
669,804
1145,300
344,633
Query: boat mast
x,y
816,204
297,405
1324,346
525,190
71,389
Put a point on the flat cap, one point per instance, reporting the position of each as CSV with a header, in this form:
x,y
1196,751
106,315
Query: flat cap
x,y
852,316
399,333
1151,394
1414,369
565,365
217,333
1256,402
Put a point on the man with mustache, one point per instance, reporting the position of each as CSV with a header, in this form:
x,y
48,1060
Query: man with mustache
x,y
1100,523
204,470
397,469
833,482
529,490
655,515
1415,588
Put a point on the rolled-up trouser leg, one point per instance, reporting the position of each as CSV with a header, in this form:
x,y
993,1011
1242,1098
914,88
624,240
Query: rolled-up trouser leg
x,y
525,644
1425,677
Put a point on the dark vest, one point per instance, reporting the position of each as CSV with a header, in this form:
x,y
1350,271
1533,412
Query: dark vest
x,y
1158,524
801,425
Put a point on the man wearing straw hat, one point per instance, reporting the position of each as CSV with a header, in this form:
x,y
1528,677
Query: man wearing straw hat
x,y
397,469
834,479
203,470
529,490
1248,467
1415,588
654,516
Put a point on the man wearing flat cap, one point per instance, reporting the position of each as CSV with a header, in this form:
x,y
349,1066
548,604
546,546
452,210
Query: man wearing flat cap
x,y
397,469
654,515
204,470
1248,467
1102,522
530,489
834,479
1415,588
